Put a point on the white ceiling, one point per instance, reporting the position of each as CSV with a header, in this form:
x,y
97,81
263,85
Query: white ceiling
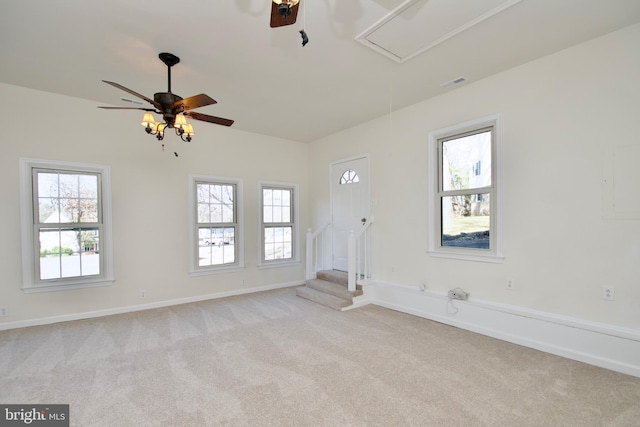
x,y
262,77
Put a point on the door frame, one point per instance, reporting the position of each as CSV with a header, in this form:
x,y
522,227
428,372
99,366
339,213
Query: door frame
x,y
367,186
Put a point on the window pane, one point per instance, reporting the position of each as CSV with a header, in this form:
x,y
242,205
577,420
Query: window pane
x,y
276,205
47,184
48,210
70,265
277,243
88,210
466,162
69,210
267,196
227,194
349,177
216,246
68,185
215,193
203,213
215,213
88,186
67,198
202,193
277,197
286,197
267,214
277,214
466,221
215,203
227,213
68,253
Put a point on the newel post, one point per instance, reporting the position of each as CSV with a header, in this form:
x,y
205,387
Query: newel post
x,y
351,259
309,255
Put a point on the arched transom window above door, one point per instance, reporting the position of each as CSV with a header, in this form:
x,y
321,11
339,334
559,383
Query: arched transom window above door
x,y
349,177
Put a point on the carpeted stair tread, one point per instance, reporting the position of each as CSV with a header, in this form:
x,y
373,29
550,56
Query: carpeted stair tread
x,y
332,288
334,276
323,298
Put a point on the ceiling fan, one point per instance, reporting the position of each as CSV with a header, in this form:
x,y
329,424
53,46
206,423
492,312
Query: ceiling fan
x,y
172,107
283,12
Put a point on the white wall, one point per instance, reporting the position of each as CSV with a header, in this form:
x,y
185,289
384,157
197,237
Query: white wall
x,y
149,189
561,115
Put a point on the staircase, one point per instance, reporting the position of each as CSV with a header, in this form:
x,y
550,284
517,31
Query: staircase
x,y
329,289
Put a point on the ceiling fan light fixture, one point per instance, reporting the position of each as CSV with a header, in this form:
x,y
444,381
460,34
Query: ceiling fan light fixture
x,y
148,121
158,130
289,2
180,122
187,132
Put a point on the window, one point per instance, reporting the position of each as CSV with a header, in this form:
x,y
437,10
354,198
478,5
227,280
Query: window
x,y
464,187
66,225
278,223
349,177
215,224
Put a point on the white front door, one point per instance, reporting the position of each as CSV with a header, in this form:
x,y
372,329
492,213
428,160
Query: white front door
x,y
349,204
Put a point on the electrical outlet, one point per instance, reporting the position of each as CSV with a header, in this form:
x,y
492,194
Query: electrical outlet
x,y
458,294
608,293
4,312
143,294
509,283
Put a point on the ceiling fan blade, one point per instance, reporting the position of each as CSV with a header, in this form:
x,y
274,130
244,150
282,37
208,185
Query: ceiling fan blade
x,y
277,20
119,86
196,101
208,118
130,108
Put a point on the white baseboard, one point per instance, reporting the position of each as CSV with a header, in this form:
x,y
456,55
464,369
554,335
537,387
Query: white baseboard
x,y
602,345
133,308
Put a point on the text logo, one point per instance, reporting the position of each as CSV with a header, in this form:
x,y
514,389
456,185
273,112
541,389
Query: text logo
x,y
34,415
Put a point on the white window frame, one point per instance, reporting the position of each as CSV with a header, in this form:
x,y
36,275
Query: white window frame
x,y
494,254
238,265
295,239
31,283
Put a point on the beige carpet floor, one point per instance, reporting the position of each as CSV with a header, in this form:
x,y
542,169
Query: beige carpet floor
x,y
273,359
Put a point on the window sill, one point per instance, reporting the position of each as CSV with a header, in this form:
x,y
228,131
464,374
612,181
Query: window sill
x,y
277,264
491,258
216,270
65,286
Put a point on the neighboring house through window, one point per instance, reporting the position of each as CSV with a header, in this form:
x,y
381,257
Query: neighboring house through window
x,y
465,217
66,225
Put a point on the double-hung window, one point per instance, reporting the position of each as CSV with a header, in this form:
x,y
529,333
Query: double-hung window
x,y
278,223
464,194
215,217
66,225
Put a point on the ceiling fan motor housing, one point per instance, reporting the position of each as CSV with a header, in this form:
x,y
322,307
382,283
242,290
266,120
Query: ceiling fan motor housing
x,y
168,108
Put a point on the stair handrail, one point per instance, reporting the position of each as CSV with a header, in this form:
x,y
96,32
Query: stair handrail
x,y
312,249
358,249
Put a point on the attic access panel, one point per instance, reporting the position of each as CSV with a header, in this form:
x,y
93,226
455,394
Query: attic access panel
x,y
418,25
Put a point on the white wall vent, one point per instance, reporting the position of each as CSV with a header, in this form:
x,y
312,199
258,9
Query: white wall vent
x,y
418,25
